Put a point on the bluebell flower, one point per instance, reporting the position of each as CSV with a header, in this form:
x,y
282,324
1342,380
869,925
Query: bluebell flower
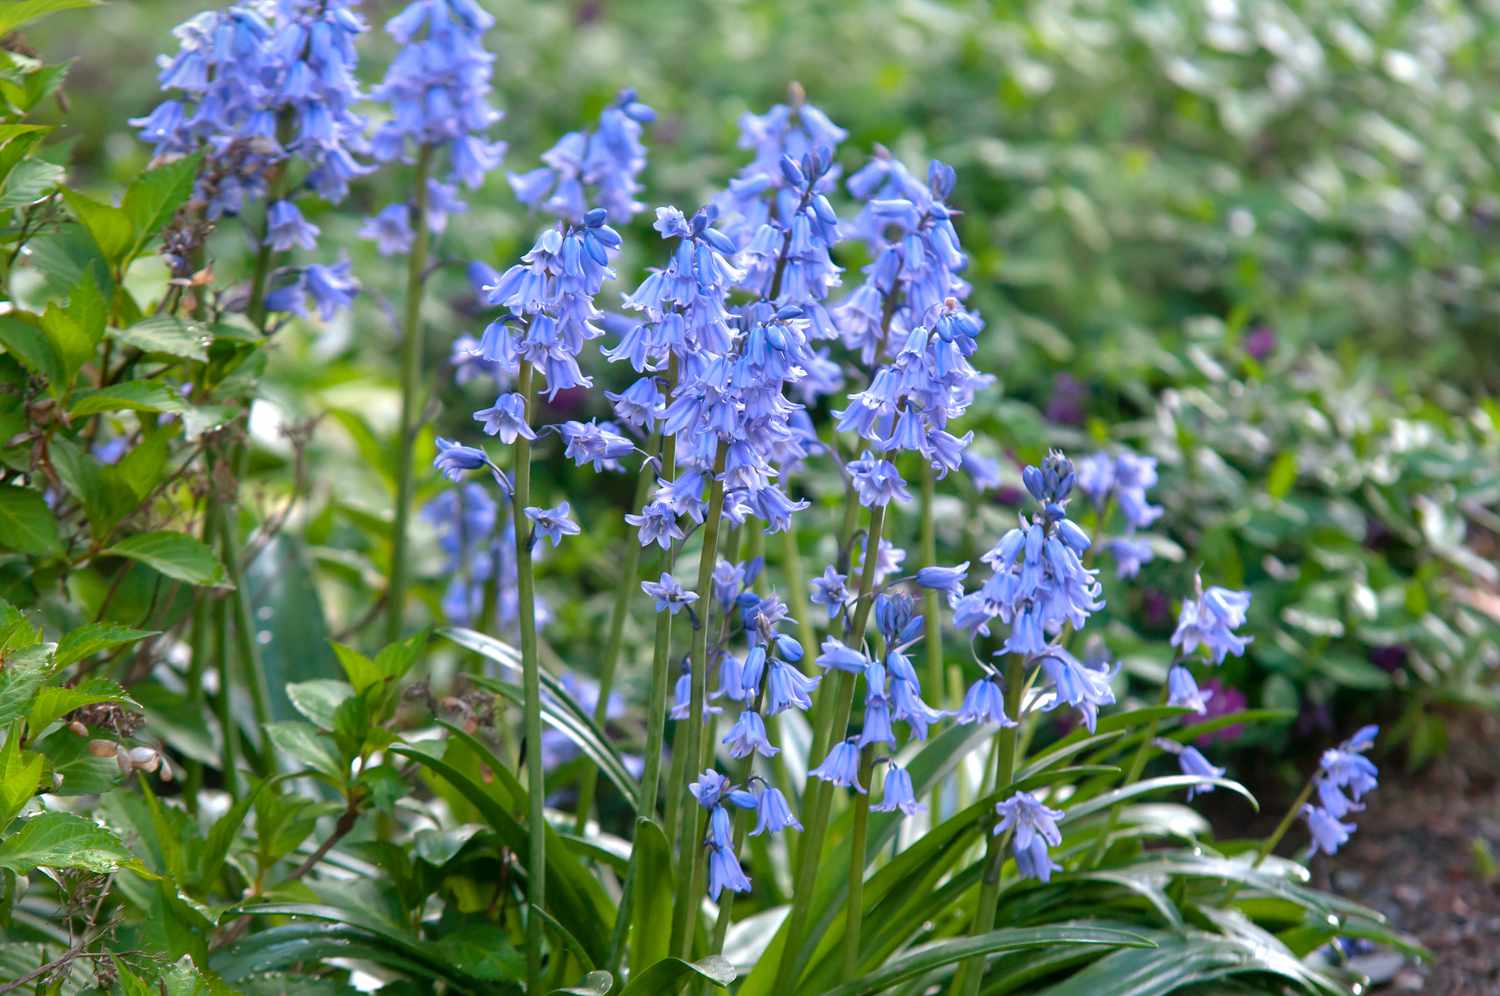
x,y
753,670
1034,826
1210,620
724,872
670,596
787,688
390,230
949,580
836,655
1329,833
748,736
841,767
877,481
1076,683
897,793
772,813
720,832
285,228
454,459
332,289
682,697
506,418
830,590
877,726
984,702
888,560
594,443
731,679
1128,553
907,706
1183,691
1192,762
592,167
552,524
729,579
1344,769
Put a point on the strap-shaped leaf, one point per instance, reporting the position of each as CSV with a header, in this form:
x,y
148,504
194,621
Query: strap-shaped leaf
x,y
668,975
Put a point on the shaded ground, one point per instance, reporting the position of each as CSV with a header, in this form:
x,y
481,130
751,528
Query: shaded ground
x,y
1420,857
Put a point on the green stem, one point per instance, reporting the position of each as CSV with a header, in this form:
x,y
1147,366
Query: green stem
x,y
1270,842
817,810
1007,754
933,619
796,587
689,863
411,388
228,728
854,908
615,641
536,790
656,725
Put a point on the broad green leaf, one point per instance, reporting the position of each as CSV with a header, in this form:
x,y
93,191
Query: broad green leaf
x,y
26,523
169,335
33,350
306,745
668,976
1283,474
79,473
312,943
483,950
18,12
141,469
62,840
176,555
289,621
651,912
132,396
155,196
54,702
109,226
318,700
90,638
930,956
30,181
69,337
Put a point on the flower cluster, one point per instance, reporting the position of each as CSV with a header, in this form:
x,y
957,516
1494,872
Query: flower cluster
x,y
1034,828
1209,621
598,166
1344,776
1039,583
437,90
478,545
259,84
1122,480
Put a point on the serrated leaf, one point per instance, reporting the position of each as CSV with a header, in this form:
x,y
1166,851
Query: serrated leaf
x,y
20,773
62,840
20,680
26,523
90,638
318,700
131,395
169,335
109,226
69,338
154,198
176,555
53,703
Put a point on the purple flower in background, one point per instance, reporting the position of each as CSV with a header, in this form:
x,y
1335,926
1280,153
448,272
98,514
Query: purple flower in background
x,y
1222,700
1260,342
1066,404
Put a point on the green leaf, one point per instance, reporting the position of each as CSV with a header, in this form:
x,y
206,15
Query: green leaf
x,y
141,469
482,950
90,638
176,555
307,745
18,12
668,975
313,943
79,473
1283,475
26,523
289,620
32,349
52,703
20,773
1177,962
131,395
62,840
169,335
1162,784
651,912
593,984
319,700
110,226
924,959
154,198
30,181
69,338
